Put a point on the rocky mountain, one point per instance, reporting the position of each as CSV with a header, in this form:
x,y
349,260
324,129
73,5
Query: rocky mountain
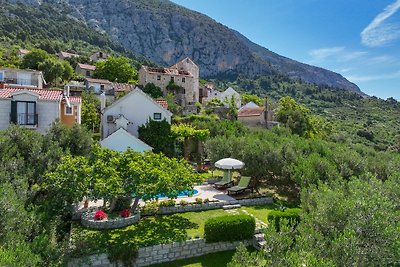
x,y
165,33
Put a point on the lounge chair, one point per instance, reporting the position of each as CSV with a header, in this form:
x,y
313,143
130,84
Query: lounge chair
x,y
243,185
225,182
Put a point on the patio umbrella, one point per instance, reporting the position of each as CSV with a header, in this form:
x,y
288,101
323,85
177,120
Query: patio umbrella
x,y
229,164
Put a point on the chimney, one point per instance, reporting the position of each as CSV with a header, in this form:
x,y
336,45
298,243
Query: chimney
x,y
102,101
266,112
66,90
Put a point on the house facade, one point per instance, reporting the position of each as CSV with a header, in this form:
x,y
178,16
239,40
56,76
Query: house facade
x,y
99,56
98,86
257,117
19,78
37,108
131,111
64,55
185,74
85,69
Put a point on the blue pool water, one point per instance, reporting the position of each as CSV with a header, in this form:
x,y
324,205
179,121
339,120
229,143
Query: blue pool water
x,y
184,193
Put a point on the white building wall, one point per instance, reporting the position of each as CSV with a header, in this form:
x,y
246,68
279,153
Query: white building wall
x,y
137,109
5,110
48,112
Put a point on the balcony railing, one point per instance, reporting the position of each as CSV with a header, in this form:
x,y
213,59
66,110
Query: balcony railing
x,y
25,119
17,81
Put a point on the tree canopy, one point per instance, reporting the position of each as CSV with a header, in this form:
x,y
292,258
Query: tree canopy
x,y
115,69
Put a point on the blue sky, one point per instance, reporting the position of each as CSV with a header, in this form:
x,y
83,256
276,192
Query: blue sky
x,y
357,38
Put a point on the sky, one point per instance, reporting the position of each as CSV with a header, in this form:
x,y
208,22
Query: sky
x,y
359,39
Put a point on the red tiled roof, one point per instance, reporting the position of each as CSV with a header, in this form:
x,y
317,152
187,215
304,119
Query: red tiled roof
x,y
86,66
91,80
120,87
75,99
162,103
250,112
44,94
169,71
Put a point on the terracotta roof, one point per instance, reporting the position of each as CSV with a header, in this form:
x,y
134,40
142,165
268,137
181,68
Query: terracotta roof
x,y
44,94
86,66
169,71
250,112
75,99
91,80
68,55
120,87
162,103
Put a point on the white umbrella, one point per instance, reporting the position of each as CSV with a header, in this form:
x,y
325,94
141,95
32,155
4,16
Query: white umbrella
x,y
229,164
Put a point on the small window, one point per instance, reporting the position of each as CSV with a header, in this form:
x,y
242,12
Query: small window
x,y
68,110
1,76
88,73
102,87
172,79
183,79
158,77
157,116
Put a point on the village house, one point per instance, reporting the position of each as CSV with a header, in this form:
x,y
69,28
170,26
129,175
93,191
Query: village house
x,y
99,86
185,74
98,56
22,52
121,120
225,97
85,69
255,116
18,78
37,108
64,55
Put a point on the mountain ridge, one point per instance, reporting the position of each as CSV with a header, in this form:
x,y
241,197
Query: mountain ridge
x,y
165,32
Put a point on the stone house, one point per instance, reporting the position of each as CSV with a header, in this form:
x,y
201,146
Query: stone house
x,y
185,74
64,55
85,69
19,78
98,56
127,114
257,117
99,86
37,108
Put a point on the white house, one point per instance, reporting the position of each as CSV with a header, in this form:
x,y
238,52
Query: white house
x,y
128,113
251,104
22,78
228,94
121,140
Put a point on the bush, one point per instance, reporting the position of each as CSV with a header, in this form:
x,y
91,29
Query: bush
x,y
100,215
167,203
123,203
183,202
150,207
125,213
229,228
199,200
291,215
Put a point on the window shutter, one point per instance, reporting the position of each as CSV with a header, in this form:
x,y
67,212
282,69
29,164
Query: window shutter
x,y
13,117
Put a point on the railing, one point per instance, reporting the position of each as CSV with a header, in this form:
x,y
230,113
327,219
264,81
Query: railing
x,y
26,119
17,81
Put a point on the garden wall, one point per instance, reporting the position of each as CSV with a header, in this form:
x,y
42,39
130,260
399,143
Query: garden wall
x,y
164,253
215,205
88,221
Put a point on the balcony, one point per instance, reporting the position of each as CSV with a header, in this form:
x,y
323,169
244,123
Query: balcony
x,y
21,82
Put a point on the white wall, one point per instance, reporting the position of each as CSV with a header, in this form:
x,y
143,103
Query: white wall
x,y
5,110
136,108
48,112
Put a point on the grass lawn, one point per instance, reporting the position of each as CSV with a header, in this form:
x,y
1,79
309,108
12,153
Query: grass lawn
x,y
153,230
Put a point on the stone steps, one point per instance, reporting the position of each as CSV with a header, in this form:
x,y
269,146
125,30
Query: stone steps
x,y
259,240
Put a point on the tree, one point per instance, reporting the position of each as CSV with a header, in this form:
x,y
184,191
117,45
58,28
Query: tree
x,y
115,69
90,114
153,90
157,134
246,98
34,58
53,70
186,132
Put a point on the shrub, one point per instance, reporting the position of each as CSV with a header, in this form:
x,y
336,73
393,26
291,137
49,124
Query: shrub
x,y
229,228
183,202
167,203
291,215
100,215
123,203
198,200
206,200
150,207
125,213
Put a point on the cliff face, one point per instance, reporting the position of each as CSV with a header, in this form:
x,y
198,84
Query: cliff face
x,y
165,33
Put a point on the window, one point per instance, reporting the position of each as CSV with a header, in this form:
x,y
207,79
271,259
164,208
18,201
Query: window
x,y
102,88
158,77
183,79
68,110
172,79
1,76
23,113
157,116
88,73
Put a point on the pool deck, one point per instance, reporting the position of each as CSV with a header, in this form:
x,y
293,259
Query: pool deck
x,y
205,191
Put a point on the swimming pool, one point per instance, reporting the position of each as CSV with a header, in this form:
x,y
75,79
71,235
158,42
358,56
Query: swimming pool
x,y
184,193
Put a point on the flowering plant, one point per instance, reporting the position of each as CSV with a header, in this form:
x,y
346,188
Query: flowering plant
x,y
100,215
125,213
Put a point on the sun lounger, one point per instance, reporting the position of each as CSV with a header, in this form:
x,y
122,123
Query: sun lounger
x,y
225,182
243,185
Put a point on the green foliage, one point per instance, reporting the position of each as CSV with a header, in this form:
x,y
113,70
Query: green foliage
x,y
157,134
291,215
33,59
18,254
122,203
244,258
153,90
183,130
115,69
229,228
246,98
215,102
90,114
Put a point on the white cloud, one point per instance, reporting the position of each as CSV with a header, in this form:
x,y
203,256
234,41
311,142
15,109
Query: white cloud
x,y
379,32
323,53
357,78
337,53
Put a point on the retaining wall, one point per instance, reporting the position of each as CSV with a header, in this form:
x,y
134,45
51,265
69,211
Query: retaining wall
x,y
88,221
163,253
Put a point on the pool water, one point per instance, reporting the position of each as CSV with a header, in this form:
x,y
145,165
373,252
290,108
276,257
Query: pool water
x,y
184,193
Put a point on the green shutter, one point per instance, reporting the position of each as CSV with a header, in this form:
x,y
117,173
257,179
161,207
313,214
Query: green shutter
x,y
13,116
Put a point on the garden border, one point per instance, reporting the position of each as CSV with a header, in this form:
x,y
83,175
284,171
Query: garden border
x,y
88,221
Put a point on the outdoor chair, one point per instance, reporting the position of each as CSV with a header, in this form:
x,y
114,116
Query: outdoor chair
x,y
243,185
225,182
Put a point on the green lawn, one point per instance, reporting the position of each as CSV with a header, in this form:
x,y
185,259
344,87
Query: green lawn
x,y
153,230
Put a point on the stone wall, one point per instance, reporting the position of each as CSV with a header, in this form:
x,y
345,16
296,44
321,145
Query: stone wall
x,y
88,221
164,253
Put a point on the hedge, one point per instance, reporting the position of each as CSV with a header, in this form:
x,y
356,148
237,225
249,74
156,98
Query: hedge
x,y
229,228
291,215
